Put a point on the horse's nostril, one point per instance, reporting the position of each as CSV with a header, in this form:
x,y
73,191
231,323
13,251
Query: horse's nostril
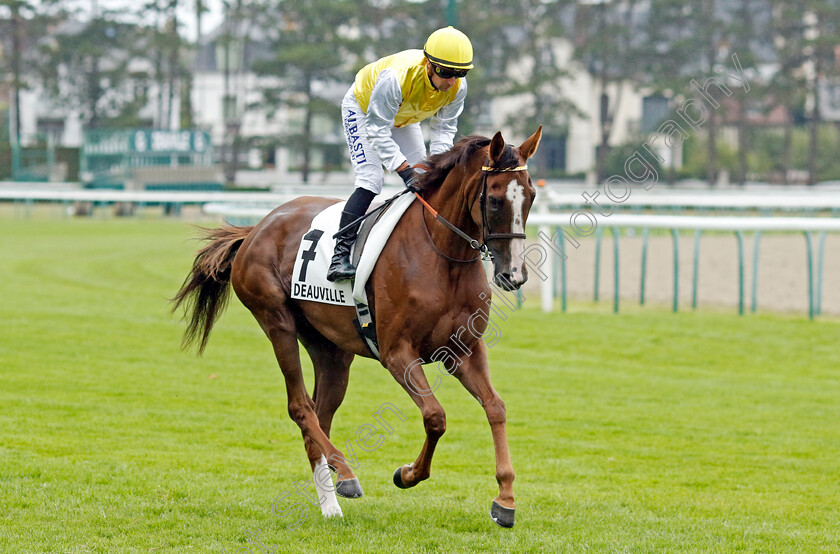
x,y
513,270
505,280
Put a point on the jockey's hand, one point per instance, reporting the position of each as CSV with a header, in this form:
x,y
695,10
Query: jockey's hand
x,y
409,177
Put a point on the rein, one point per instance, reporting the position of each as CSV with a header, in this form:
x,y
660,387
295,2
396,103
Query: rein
x,y
361,218
438,250
486,232
474,244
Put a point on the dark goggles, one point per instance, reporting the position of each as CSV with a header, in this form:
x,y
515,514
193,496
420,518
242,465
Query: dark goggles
x,y
448,72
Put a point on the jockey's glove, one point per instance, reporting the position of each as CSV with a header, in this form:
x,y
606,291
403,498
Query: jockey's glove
x,y
409,177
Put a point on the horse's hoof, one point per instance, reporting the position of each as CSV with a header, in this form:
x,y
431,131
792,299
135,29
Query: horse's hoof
x,y
331,511
398,479
501,516
349,488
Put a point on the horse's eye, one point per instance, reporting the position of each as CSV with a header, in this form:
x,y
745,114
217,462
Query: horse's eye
x,y
495,203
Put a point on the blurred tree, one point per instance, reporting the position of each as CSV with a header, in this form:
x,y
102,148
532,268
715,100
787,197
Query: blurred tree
x,y
236,39
618,156
16,31
518,55
607,41
315,45
788,82
27,24
685,43
389,27
164,52
822,36
748,34
200,10
172,45
85,66
186,105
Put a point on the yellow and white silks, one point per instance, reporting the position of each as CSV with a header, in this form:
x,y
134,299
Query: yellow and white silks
x,y
382,112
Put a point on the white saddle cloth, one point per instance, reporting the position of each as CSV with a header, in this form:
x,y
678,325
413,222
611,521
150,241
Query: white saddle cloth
x,y
309,280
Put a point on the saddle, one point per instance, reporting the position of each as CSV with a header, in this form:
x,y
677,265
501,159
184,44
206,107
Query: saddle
x,y
315,252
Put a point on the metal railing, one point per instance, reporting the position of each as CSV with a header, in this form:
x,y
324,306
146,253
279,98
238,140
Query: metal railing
x,y
551,223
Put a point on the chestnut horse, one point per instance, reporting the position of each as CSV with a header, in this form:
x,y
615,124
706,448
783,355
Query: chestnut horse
x,y
425,287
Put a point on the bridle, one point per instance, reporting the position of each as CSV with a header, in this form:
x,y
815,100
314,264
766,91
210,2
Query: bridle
x,y
486,232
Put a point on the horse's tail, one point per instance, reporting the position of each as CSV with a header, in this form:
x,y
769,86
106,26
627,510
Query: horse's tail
x,y
205,290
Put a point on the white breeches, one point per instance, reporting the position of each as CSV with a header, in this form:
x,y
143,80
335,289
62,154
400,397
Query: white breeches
x,y
367,165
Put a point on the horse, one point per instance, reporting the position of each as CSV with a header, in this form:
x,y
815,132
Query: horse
x,y
425,290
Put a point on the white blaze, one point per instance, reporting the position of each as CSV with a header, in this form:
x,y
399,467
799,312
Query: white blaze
x,y
517,225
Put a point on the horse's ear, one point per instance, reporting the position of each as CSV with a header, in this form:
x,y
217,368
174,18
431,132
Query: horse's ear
x,y
530,145
497,146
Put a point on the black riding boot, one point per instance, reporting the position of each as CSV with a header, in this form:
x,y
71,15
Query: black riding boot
x,y
341,268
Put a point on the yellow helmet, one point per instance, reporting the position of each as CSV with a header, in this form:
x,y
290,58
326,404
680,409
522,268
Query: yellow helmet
x,y
449,47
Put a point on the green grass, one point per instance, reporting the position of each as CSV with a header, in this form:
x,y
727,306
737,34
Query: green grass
x,y
646,431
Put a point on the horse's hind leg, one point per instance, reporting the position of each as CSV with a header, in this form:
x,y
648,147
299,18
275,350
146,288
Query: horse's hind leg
x,y
268,305
474,374
302,411
332,374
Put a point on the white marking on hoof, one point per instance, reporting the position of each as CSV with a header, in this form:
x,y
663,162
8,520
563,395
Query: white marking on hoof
x,y
331,511
325,489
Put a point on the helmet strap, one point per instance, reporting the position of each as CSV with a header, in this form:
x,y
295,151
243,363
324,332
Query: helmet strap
x,y
430,73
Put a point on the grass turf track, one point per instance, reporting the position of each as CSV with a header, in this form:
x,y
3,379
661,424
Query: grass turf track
x,y
646,431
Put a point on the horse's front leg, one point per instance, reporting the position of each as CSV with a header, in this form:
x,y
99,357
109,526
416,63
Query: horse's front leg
x,y
406,370
474,374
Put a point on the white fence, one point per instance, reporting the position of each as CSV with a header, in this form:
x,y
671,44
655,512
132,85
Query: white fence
x,y
255,205
656,199
706,199
553,231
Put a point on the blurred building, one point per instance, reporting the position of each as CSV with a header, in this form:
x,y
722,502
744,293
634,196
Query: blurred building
x,y
227,101
224,97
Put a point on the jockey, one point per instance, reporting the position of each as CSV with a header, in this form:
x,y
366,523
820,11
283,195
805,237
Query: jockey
x,y
382,112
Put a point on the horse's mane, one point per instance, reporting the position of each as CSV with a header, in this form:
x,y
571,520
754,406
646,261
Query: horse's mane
x,y
441,164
